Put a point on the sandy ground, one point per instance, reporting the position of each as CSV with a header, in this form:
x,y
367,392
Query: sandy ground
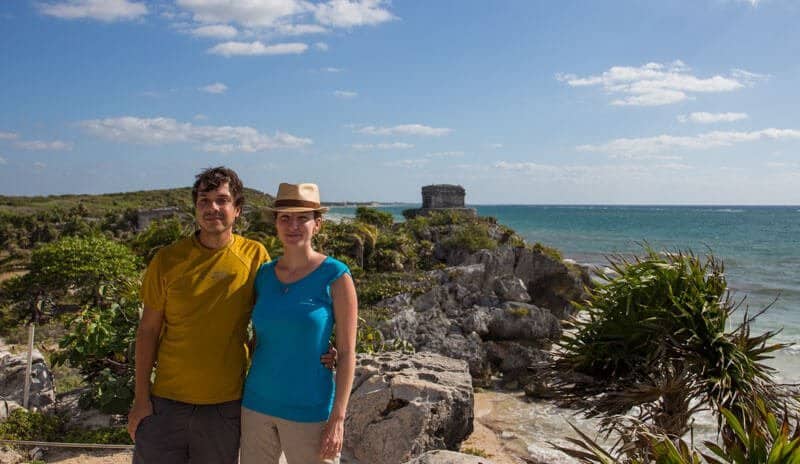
x,y
487,440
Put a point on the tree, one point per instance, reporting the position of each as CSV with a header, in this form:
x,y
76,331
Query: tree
x,y
656,337
95,279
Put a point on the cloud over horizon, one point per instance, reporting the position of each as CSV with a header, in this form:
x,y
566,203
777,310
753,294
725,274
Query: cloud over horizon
x,y
218,139
216,88
656,84
711,118
637,147
405,129
228,49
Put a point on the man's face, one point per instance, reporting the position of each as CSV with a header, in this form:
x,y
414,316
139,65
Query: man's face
x,y
215,210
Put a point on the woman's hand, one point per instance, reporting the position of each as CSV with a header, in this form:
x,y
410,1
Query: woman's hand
x,y
332,438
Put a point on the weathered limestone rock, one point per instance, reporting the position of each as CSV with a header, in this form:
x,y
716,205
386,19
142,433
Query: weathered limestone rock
x,y
448,457
12,380
510,288
404,405
520,321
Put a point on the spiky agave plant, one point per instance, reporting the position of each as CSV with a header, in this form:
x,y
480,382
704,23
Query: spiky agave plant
x,y
762,440
655,337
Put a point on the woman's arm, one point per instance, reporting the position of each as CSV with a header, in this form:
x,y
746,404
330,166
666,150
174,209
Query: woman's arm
x,y
345,311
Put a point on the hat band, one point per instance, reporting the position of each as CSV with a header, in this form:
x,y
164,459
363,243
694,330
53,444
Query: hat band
x,y
296,203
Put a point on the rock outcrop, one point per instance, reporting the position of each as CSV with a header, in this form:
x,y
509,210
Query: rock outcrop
x,y
498,310
12,382
403,405
448,457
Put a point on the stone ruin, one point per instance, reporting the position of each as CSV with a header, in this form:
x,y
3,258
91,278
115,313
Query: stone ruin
x,y
145,217
442,197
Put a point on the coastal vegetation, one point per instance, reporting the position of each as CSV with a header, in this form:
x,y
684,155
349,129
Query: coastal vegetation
x,y
654,345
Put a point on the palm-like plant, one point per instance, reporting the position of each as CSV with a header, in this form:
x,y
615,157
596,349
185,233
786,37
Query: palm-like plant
x,y
655,337
763,440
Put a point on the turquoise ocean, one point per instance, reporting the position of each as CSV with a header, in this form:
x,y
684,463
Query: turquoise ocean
x,y
759,245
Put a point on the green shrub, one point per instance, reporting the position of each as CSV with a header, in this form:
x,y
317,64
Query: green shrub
x,y
471,237
101,436
158,235
376,287
31,426
379,219
548,251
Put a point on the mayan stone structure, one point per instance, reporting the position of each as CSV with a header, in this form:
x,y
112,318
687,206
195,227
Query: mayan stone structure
x,y
442,197
145,217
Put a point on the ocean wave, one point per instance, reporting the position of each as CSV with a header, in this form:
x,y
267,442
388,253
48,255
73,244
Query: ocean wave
x,y
727,210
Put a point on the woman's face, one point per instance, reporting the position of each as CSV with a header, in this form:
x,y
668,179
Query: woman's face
x,y
296,229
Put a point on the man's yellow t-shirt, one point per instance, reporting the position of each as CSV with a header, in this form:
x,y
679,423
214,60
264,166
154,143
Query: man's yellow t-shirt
x,y
206,296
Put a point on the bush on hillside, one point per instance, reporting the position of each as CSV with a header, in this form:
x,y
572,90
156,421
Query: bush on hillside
x,y
379,219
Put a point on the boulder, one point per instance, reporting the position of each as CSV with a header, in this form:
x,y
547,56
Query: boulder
x,y
12,380
448,457
510,288
520,321
403,405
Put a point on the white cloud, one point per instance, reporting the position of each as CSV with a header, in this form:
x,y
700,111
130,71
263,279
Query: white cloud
x,y
351,13
216,31
321,46
405,129
711,118
496,146
221,139
749,78
781,165
40,145
345,94
257,48
8,135
445,154
647,146
200,117
383,146
150,94
216,87
38,165
407,163
3,160
332,70
247,13
286,17
655,84
300,29
102,10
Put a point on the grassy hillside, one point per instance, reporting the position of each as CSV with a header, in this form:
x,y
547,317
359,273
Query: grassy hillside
x,y
99,205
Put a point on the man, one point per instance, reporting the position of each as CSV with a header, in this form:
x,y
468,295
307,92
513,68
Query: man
x,y
197,295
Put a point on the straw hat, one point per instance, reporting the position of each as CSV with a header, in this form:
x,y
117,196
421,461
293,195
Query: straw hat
x,y
297,198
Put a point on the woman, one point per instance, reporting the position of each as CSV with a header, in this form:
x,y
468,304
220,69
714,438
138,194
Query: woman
x,y
291,402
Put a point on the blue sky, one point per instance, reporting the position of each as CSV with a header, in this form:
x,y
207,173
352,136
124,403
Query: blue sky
x,y
519,101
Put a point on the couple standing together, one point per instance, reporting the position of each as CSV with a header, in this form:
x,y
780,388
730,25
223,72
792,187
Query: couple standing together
x,y
198,294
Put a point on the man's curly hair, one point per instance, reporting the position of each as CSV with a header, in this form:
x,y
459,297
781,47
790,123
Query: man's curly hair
x,y
211,178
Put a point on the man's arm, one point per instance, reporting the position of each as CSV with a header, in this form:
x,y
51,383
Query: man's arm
x,y
146,348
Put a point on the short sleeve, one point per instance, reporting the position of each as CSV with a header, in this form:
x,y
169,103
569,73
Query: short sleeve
x,y
154,292
339,269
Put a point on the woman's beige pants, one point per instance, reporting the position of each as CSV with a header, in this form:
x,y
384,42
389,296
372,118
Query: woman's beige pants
x,y
264,437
